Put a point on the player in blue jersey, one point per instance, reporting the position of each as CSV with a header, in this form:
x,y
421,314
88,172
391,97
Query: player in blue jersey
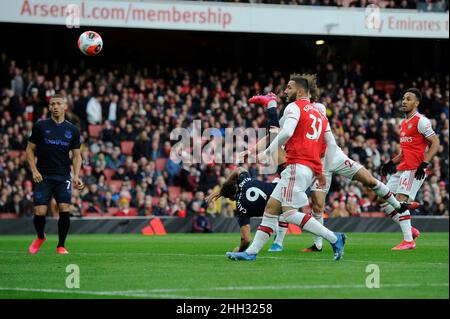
x,y
51,142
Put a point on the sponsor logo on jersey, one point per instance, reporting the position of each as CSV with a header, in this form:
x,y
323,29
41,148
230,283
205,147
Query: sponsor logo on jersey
x,y
55,142
406,139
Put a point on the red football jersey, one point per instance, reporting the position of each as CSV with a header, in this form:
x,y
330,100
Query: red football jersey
x,y
413,142
306,144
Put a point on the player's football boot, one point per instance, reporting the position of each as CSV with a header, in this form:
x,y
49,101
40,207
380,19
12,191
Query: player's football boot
x,y
36,245
263,99
338,246
275,248
241,256
407,205
61,251
415,233
312,249
405,245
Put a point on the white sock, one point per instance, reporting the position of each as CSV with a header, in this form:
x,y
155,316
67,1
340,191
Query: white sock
x,y
405,224
317,239
281,231
265,229
308,223
383,191
391,212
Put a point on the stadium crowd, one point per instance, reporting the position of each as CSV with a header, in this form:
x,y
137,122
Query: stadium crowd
x,y
126,117
423,5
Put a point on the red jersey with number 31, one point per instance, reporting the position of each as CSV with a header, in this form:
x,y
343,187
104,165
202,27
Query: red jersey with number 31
x,y
413,142
306,144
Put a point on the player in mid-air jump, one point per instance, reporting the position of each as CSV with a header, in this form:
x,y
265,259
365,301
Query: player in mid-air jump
x,y
416,134
51,142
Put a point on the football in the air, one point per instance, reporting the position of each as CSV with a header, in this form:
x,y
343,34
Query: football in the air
x,y
90,43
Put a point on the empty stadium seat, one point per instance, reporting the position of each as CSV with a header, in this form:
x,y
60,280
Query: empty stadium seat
x,y
109,172
155,200
174,192
113,210
188,195
14,154
127,147
95,130
160,164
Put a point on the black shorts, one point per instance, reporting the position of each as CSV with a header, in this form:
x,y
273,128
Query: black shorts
x,y
60,188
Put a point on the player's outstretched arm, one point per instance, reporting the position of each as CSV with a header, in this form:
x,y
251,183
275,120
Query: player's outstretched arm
x,y
31,158
246,238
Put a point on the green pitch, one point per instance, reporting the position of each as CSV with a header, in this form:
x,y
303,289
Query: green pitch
x,y
195,266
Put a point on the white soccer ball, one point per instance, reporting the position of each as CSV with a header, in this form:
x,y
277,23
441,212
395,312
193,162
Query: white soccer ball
x,y
90,43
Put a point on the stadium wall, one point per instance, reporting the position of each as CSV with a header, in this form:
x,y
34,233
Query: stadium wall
x,y
219,225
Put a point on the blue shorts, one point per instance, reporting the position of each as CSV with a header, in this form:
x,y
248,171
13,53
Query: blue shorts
x,y
60,188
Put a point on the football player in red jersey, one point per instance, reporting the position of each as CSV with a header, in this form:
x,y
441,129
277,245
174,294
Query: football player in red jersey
x,y
303,131
416,134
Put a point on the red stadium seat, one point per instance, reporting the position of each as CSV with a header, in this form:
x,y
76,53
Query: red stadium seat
x,y
188,195
113,210
127,147
160,164
109,172
95,130
14,154
174,192
155,200
84,207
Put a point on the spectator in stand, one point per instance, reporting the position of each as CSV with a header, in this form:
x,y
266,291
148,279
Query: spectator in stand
x,y
162,208
142,147
119,175
124,208
108,201
146,208
201,223
339,210
89,178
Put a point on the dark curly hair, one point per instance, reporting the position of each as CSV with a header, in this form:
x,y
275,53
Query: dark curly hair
x,y
229,189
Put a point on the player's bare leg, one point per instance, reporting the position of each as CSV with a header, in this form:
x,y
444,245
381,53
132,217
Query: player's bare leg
x,y
63,227
39,213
